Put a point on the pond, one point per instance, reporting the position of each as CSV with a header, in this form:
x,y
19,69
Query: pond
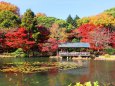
x,y
102,71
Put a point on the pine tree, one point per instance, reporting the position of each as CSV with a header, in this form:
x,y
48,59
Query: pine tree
x,y
75,21
69,19
76,18
72,21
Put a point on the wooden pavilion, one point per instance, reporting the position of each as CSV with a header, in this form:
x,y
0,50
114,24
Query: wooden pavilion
x,y
63,49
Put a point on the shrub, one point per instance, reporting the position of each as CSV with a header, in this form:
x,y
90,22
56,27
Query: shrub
x,y
110,51
86,84
107,56
20,53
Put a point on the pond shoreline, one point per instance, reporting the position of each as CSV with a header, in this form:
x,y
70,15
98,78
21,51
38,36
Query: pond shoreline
x,y
59,58
108,58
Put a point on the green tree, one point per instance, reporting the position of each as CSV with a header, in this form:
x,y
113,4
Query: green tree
x,y
82,21
75,40
64,24
70,20
9,20
29,20
75,21
45,21
110,12
48,21
76,18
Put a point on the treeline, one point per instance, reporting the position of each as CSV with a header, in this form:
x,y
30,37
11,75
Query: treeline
x,y
40,33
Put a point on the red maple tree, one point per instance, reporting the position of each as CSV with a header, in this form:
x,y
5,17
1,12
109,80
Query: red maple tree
x,y
97,36
113,39
50,46
19,39
2,44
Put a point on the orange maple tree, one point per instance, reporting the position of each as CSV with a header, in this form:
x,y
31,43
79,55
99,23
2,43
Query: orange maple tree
x,y
9,7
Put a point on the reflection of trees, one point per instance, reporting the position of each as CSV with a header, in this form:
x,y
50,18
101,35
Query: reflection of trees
x,y
12,79
57,80
19,79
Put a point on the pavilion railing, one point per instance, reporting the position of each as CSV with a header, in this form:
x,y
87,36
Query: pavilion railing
x,y
74,53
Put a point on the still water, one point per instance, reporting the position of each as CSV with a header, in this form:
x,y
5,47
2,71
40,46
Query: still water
x,y
102,71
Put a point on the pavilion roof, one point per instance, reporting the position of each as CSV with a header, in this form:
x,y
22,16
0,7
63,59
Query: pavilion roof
x,y
79,44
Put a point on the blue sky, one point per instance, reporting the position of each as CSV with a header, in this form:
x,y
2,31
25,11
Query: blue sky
x,y
62,8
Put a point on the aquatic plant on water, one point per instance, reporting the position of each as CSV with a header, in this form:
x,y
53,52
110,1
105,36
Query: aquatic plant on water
x,y
27,67
86,84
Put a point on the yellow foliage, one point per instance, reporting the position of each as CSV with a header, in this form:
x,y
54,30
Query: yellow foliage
x,y
83,20
58,33
102,19
41,15
9,7
107,56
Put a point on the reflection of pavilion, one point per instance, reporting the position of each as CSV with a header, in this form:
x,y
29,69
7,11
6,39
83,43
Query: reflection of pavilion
x,y
65,47
84,69
78,71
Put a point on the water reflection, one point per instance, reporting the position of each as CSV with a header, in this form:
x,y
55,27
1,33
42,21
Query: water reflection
x,y
102,71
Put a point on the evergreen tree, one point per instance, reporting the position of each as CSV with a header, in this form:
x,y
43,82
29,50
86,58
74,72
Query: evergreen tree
x,y
29,20
75,21
72,21
76,18
69,19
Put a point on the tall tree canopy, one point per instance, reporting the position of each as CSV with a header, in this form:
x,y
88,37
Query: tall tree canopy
x,y
43,34
110,12
40,15
29,20
98,36
5,6
45,21
58,33
64,24
9,20
75,20
82,21
71,21
101,19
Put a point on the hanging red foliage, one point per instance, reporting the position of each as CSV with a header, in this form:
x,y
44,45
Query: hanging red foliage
x,y
19,39
50,46
113,39
97,36
44,34
2,44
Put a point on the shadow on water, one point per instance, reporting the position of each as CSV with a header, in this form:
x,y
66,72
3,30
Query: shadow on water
x,y
102,71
